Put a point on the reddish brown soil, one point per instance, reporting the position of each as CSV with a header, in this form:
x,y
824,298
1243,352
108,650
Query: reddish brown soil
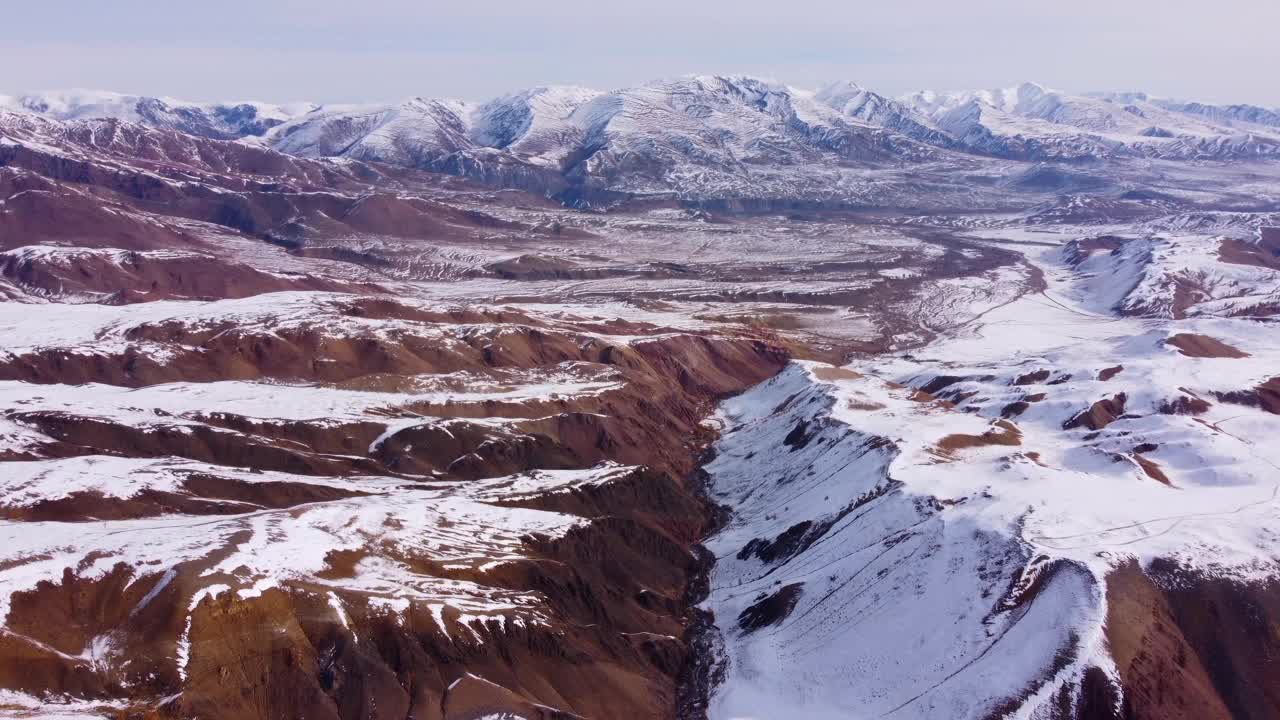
x,y
150,179
56,215
1099,415
609,586
770,609
137,277
541,267
1203,346
225,350
615,589
1106,374
1017,407
830,374
1079,250
1186,404
1193,647
1002,432
1152,469
1263,253
668,384
203,494
1265,396
1032,378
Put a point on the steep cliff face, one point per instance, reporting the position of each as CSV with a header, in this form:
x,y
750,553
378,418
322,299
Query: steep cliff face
x,y
888,552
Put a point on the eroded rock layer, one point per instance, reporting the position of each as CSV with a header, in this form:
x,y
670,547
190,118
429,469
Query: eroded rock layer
x,y
326,506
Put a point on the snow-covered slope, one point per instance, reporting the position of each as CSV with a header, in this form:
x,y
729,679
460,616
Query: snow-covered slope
x,y
710,138
854,101
413,133
724,137
1178,275
699,137
216,120
537,123
1035,123
1224,115
1028,519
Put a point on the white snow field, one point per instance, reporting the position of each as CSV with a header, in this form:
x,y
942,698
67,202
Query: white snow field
x,y
913,557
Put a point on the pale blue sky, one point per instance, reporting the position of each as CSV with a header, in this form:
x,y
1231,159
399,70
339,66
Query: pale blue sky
x,y
364,50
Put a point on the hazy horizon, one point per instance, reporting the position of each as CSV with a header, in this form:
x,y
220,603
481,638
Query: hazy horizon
x,y
331,52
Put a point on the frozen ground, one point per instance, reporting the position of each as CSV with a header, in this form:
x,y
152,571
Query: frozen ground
x,y
894,554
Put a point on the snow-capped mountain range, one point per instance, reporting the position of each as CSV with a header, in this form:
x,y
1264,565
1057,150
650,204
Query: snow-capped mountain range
x,y
1035,123
705,137
222,120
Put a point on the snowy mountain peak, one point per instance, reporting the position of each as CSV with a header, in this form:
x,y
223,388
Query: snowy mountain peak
x,y
1122,97
703,134
503,121
223,120
1033,89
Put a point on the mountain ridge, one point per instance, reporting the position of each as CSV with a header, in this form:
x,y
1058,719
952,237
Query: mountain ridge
x,y
709,138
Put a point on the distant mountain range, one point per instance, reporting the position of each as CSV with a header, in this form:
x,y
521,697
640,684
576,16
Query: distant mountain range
x,y
705,137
